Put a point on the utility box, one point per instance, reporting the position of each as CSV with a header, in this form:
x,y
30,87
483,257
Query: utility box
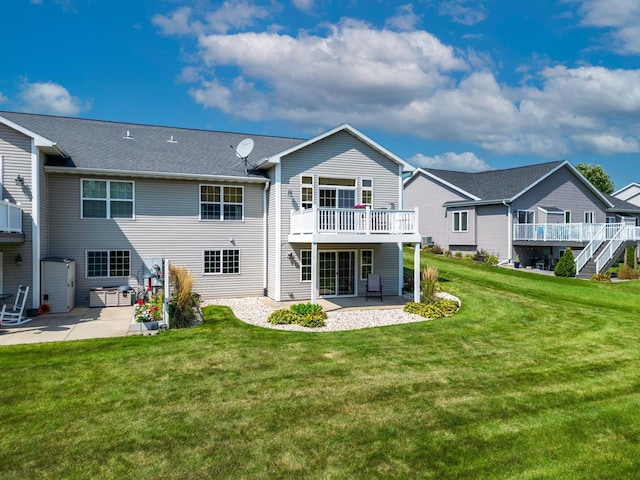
x,y
58,288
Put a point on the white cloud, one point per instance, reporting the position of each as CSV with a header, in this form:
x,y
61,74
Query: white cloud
x,y
177,22
621,16
303,5
405,19
463,162
231,15
465,12
51,98
409,82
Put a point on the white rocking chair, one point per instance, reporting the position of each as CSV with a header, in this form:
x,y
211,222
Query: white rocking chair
x,y
15,315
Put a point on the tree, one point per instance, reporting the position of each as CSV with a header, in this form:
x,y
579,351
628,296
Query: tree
x,y
597,176
566,266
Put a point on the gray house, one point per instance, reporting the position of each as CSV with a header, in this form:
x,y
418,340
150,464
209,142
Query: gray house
x,y
532,213
629,194
296,220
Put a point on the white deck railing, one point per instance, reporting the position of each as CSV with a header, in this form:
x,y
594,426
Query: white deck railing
x,y
353,220
625,233
589,250
563,232
10,217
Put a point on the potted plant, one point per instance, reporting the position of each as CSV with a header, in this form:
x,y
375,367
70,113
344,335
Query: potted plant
x,y
516,262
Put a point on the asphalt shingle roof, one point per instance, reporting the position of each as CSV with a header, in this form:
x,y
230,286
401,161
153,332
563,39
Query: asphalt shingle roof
x,y
495,184
99,144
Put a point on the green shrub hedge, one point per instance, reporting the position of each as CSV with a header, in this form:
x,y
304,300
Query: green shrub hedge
x,y
307,315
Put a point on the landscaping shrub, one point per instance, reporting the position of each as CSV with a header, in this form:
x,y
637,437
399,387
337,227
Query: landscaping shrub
x,y
182,301
437,249
566,266
304,314
440,308
282,317
630,256
430,285
628,273
447,253
491,260
469,256
458,255
601,277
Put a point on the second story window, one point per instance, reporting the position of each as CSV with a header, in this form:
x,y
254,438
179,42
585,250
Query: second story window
x,y
367,192
567,216
221,203
337,192
526,216
460,221
589,217
107,199
306,192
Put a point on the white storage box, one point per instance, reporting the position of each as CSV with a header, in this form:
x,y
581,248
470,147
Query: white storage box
x,y
109,297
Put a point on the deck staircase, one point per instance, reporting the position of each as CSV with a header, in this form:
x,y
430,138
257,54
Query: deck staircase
x,y
590,268
601,252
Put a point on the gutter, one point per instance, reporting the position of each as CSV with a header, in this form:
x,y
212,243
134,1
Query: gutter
x,y
265,240
129,173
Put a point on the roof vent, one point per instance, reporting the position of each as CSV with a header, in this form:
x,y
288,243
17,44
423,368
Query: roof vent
x,y
171,140
128,136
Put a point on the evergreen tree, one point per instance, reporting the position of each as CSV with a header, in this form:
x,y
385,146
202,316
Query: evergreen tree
x,y
566,266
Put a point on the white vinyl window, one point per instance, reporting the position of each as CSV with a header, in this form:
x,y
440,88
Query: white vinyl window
x,y
305,265
589,217
610,220
221,261
108,263
526,216
567,217
366,263
221,203
306,192
367,192
107,199
460,221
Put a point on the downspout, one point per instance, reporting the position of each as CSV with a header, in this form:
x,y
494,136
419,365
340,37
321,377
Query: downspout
x,y
265,239
35,233
510,230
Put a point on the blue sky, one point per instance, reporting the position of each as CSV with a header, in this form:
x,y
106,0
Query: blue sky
x,y
457,84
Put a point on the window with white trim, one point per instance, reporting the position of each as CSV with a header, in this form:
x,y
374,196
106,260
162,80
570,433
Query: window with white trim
x,y
610,220
108,263
107,199
221,261
367,192
366,263
305,265
589,217
306,192
460,221
567,216
526,216
221,203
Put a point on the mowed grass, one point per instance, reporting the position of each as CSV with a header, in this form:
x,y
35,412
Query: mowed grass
x,y
535,377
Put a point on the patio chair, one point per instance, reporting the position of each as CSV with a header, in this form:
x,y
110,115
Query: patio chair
x,y
374,286
15,315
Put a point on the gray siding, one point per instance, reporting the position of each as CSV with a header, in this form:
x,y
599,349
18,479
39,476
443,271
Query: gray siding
x,y
492,229
340,155
429,196
15,149
565,191
166,225
385,262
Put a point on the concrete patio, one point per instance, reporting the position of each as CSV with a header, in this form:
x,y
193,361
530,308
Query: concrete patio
x,y
80,323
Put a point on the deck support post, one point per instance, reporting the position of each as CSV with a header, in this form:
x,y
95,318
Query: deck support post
x,y
416,273
314,272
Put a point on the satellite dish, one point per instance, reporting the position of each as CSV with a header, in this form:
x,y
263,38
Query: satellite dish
x,y
244,148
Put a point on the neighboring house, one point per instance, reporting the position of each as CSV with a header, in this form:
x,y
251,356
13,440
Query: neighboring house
x,y
533,213
630,194
117,197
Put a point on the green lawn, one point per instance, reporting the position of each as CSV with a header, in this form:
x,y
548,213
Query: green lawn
x,y
535,377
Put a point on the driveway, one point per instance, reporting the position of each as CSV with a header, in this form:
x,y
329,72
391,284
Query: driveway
x,y
79,323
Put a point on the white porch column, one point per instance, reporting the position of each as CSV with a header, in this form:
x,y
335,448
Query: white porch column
x,y
314,272
416,273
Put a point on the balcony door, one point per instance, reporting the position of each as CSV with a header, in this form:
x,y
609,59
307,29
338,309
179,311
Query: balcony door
x,y
336,273
337,192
